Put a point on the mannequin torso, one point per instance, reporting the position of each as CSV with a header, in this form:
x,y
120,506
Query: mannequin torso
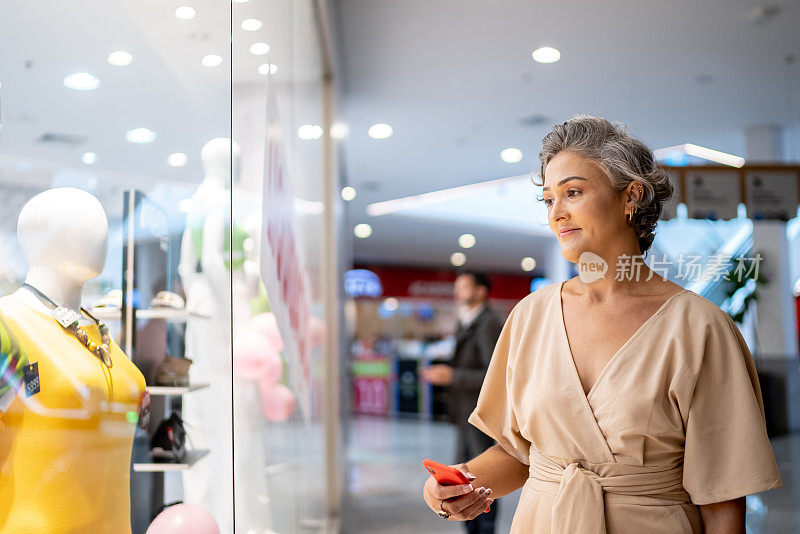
x,y
65,449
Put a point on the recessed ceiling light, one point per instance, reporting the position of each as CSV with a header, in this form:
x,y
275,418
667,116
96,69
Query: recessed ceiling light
x,y
267,68
309,131
458,259
252,25
348,193
466,241
259,49
511,155
120,58
177,159
380,131
528,264
89,158
81,81
362,230
185,12
211,60
339,130
140,135
546,54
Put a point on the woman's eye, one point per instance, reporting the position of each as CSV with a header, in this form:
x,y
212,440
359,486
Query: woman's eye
x,y
574,191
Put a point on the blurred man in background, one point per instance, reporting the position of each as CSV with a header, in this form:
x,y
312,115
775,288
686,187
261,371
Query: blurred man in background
x,y
476,335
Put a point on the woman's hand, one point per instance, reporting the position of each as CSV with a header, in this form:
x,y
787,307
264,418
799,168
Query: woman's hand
x,y
462,502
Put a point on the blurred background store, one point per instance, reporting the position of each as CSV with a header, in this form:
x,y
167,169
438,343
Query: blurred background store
x,y
307,177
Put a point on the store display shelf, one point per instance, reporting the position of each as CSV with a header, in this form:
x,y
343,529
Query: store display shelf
x,y
111,314
174,390
192,457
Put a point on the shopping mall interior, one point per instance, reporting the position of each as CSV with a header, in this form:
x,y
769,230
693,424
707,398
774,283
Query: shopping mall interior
x,y
262,208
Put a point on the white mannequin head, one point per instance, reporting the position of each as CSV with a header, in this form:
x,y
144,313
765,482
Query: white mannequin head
x,y
216,157
63,233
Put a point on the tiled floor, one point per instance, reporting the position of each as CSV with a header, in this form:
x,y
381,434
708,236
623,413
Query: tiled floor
x,y
385,477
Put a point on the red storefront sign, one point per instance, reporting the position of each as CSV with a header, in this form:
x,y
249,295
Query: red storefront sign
x,y
405,282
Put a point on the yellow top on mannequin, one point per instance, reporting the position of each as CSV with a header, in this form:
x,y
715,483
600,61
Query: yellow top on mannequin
x,y
65,446
65,451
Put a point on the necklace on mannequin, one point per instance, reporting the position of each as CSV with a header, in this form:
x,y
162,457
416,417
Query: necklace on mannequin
x,y
69,320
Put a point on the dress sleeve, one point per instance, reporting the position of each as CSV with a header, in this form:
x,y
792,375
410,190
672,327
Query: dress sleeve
x,y
494,414
727,453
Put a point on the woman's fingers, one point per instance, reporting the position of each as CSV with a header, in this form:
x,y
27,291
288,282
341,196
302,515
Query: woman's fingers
x,y
448,492
464,469
464,507
478,509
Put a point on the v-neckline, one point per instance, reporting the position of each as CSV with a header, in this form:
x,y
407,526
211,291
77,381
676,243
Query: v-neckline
x,y
616,355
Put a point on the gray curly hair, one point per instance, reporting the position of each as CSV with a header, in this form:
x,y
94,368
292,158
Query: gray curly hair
x,y
624,158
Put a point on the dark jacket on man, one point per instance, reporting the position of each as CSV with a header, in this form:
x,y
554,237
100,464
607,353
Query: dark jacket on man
x,y
474,347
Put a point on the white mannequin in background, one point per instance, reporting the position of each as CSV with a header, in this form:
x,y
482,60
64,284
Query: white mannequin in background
x,y
208,412
61,262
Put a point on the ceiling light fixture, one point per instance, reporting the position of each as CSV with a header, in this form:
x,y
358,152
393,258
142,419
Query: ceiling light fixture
x,y
528,264
259,49
434,197
185,12
362,230
348,193
211,60
177,159
267,68
466,241
380,131
252,25
309,131
81,81
120,58
546,54
140,136
339,130
457,259
511,155
701,152
89,158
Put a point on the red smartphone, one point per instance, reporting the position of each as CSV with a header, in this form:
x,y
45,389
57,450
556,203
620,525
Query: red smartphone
x,y
446,475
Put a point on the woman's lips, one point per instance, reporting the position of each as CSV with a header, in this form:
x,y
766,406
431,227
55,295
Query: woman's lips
x,y
568,232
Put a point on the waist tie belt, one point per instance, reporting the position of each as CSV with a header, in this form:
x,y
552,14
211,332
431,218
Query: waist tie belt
x,y
579,493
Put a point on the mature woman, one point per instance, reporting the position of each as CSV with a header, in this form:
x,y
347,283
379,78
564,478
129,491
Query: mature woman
x,y
620,403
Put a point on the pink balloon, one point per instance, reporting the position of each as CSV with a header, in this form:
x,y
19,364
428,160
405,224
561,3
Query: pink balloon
x,y
255,359
277,401
264,324
184,519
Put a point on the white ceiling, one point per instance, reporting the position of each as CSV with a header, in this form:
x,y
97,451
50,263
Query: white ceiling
x,y
455,78
165,89
452,78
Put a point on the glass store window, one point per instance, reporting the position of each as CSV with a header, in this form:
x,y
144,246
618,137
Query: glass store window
x,y
155,372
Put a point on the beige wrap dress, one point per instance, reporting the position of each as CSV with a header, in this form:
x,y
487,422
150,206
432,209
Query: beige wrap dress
x,y
674,420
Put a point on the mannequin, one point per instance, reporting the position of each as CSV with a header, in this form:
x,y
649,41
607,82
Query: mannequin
x,y
207,256
65,449
61,262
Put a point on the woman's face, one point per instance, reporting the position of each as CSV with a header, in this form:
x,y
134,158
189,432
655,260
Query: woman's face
x,y
578,195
